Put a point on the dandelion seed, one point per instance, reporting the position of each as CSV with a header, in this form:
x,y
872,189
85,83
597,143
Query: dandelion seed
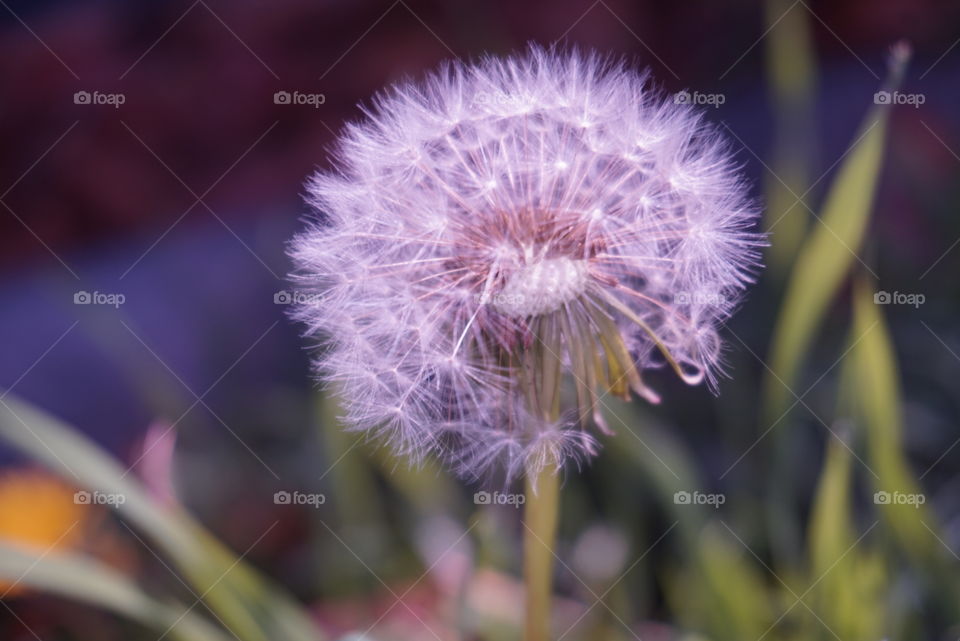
x,y
505,244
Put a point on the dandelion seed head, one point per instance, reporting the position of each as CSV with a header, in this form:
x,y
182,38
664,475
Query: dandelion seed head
x,y
542,286
504,244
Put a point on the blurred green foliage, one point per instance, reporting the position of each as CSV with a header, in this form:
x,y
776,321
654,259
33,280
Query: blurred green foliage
x,y
241,600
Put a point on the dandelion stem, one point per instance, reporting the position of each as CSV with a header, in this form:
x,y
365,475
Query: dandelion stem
x,y
540,521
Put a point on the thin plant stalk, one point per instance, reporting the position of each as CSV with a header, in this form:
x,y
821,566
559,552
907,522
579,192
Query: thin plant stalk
x,y
539,536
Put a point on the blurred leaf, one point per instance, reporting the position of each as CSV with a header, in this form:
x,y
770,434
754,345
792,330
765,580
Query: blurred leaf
x,y
721,594
846,580
377,495
877,391
350,477
825,259
665,462
354,483
427,487
718,590
231,587
86,580
831,530
791,70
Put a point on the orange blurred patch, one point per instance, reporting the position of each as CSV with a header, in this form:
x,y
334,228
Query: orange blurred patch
x,y
38,511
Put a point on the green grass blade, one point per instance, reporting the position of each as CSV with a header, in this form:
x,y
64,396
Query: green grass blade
x,y
792,74
877,392
846,578
722,592
89,581
825,259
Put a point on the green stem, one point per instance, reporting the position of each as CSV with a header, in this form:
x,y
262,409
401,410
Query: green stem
x,y
540,520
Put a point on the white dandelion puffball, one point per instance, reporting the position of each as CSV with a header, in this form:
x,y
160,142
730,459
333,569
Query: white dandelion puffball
x,y
503,245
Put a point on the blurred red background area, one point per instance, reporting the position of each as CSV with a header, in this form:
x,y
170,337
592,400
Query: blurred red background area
x,y
198,133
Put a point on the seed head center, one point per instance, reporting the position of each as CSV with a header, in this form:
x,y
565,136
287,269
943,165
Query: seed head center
x,y
542,287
